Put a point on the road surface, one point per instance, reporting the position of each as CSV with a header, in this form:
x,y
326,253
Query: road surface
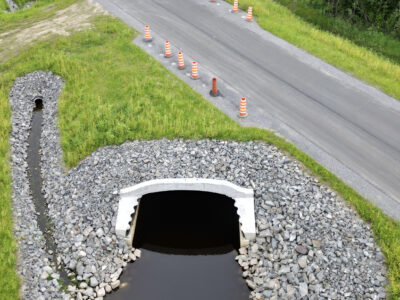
x,y
347,126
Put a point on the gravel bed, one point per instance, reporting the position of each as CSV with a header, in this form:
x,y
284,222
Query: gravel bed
x,y
34,263
309,244
12,6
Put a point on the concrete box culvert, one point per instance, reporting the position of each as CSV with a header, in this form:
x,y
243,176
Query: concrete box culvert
x,y
129,200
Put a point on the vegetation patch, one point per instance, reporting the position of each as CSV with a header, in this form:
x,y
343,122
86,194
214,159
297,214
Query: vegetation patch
x,y
21,3
385,44
342,53
3,6
115,92
40,10
63,22
383,14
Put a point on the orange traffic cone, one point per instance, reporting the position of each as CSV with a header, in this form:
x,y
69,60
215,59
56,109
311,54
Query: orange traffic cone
x,y
250,14
195,74
243,109
214,90
235,6
212,0
168,52
181,62
147,36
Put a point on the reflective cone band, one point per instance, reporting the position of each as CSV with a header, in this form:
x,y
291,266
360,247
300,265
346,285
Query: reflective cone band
x,y
250,14
235,6
195,73
147,36
243,109
181,63
168,52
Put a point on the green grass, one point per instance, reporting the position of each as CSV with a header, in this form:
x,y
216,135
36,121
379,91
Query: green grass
x,y
115,92
3,6
41,10
340,52
9,282
21,3
377,41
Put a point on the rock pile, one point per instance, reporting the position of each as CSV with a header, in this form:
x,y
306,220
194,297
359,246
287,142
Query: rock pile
x,y
309,244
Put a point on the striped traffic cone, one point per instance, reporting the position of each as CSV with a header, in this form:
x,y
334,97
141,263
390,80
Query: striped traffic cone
x,y
243,109
195,73
168,52
147,36
250,14
214,90
181,62
235,6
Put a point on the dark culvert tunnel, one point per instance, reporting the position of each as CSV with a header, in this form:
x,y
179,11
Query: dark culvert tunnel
x,y
189,241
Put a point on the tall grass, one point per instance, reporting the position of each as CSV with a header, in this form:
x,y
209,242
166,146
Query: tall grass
x,y
21,3
9,281
3,6
342,53
372,39
115,92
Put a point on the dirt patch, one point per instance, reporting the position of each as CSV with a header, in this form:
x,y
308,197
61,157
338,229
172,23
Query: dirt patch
x,y
73,18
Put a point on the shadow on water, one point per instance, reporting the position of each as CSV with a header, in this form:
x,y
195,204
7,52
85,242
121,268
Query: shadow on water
x,y
35,181
189,241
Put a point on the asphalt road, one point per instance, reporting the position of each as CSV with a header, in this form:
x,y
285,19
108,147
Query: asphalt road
x,y
349,127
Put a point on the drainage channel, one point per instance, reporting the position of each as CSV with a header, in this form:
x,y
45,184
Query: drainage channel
x,y
36,183
189,242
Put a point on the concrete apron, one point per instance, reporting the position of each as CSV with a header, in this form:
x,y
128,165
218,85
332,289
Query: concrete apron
x,y
129,203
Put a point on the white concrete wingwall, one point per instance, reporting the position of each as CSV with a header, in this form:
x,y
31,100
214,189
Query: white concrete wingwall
x,y
244,200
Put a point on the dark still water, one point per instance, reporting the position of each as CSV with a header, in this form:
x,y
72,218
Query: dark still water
x,y
36,183
188,242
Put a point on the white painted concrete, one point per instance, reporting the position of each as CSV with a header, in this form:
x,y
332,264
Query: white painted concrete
x,y
244,200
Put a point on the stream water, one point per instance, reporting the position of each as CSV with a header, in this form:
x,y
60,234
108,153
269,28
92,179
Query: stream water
x,y
36,183
189,241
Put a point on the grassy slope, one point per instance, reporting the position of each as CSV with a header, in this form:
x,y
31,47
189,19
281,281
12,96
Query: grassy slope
x,y
379,42
21,3
9,281
342,53
115,92
41,10
3,6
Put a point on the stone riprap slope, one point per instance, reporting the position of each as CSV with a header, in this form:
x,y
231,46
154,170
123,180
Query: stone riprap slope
x,y
309,244
12,6
34,263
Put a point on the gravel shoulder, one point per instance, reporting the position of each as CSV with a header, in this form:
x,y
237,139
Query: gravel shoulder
x,y
309,243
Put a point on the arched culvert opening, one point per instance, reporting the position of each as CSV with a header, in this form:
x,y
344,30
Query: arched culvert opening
x,y
129,201
38,104
188,231
187,222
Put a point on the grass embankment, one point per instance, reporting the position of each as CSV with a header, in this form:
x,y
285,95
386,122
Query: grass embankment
x,y
115,92
372,39
25,18
3,6
342,53
21,3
